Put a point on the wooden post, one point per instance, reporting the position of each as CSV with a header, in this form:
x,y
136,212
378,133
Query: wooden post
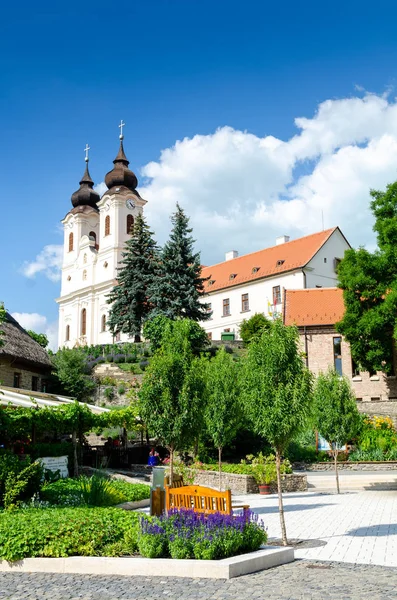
x,y
157,502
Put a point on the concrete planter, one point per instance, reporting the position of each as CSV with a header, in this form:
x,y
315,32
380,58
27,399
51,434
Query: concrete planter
x,y
347,466
265,558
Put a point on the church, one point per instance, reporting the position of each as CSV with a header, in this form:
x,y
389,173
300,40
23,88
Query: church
x,y
96,229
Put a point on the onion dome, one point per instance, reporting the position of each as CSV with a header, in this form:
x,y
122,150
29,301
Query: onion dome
x,y
85,195
121,175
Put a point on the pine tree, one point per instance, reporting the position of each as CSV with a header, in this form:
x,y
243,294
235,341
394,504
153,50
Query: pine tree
x,y
177,292
129,297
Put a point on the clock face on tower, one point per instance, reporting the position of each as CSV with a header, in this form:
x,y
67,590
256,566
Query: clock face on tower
x,y
130,203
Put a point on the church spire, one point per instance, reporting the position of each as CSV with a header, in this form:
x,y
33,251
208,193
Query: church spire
x,y
85,195
121,175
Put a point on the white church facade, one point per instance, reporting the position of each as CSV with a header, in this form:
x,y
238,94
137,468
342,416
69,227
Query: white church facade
x,y
95,232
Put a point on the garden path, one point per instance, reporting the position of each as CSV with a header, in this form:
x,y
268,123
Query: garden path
x,y
353,527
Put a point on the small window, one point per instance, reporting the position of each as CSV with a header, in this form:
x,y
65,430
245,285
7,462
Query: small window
x,y
337,262
211,282
355,368
67,333
44,385
255,270
280,263
319,286
276,294
325,260
337,341
245,305
360,399
84,275
130,224
107,225
35,383
17,380
232,275
226,330
375,399
70,242
209,335
85,259
83,328
226,307
209,308
103,323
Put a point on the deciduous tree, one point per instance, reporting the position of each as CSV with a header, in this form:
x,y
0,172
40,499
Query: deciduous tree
x,y
369,283
172,395
253,326
277,392
335,413
222,415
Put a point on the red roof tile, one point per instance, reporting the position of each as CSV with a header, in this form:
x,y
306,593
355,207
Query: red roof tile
x,y
264,263
316,306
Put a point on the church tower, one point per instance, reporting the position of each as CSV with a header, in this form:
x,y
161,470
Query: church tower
x,y
95,232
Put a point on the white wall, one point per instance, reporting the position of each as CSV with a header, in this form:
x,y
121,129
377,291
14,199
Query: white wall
x,y
321,269
260,294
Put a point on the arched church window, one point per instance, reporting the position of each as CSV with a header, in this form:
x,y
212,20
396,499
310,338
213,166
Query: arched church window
x,y
107,225
84,275
67,333
103,325
84,321
130,223
92,236
70,242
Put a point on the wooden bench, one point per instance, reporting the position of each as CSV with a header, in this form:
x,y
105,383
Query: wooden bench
x,y
177,481
200,499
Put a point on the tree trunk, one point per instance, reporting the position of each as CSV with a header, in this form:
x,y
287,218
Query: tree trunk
x,y
336,470
196,448
171,465
220,467
280,500
75,460
147,438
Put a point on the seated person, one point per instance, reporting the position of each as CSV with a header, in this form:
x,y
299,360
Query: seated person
x,y
153,458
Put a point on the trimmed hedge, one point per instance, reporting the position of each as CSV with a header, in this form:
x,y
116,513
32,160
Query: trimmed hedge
x,y
68,492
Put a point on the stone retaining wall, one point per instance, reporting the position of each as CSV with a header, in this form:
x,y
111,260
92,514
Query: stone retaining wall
x,y
246,484
347,466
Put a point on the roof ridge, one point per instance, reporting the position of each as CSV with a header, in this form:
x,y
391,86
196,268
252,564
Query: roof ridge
x,y
304,237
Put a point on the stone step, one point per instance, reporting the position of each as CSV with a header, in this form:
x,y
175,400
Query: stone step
x,y
352,481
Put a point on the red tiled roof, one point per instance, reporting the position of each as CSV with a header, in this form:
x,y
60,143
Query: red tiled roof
x,y
264,263
316,306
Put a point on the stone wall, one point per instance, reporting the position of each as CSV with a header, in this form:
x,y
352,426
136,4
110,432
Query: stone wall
x,y
376,394
8,369
246,484
347,466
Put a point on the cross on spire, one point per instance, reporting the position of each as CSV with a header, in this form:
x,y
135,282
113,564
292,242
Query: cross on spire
x,y
122,124
86,152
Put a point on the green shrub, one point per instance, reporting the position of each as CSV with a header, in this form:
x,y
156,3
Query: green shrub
x,y
10,466
121,389
109,393
22,486
57,532
81,491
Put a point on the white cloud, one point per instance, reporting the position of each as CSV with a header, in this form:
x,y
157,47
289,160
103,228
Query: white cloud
x,y
39,324
242,191
48,262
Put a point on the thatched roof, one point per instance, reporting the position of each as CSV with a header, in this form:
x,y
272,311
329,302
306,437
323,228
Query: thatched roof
x,y
20,346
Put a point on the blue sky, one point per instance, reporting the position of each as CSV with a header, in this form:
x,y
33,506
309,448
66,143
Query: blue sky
x,y
176,69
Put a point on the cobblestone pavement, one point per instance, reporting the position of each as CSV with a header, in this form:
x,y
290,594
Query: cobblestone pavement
x,y
301,580
353,527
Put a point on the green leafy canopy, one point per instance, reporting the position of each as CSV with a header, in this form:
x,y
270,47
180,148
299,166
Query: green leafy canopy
x,y
369,283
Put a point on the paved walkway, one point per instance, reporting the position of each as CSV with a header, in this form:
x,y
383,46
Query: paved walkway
x,y
300,580
355,527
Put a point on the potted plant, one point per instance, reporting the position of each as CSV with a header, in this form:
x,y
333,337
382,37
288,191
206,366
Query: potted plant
x,y
264,471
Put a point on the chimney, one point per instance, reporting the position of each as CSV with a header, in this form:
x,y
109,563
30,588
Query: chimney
x,y
282,239
230,255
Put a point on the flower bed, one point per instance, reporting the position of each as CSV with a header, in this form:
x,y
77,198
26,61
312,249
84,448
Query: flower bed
x,y
186,534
